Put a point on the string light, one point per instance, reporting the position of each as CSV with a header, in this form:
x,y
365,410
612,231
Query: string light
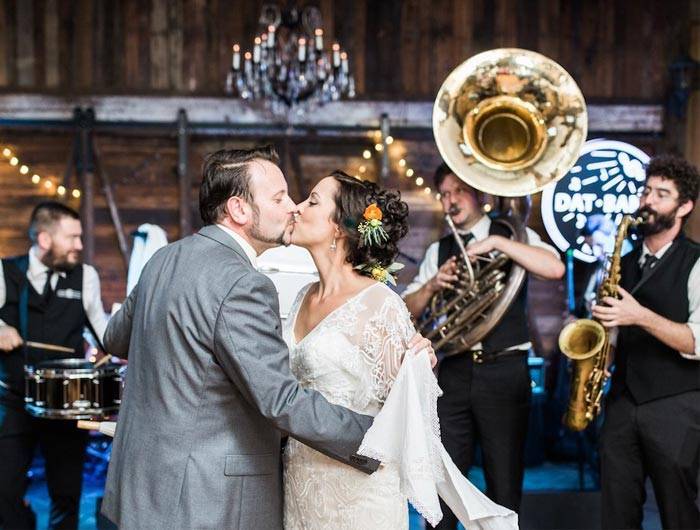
x,y
408,171
48,184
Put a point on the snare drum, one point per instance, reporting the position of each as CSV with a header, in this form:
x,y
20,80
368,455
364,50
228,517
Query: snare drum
x,y
72,389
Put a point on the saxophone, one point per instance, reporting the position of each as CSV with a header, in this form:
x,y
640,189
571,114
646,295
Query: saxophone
x,y
587,343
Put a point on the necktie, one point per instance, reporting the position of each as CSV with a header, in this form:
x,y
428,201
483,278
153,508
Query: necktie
x,y
649,263
47,291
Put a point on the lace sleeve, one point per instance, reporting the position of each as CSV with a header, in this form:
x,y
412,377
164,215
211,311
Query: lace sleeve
x,y
386,335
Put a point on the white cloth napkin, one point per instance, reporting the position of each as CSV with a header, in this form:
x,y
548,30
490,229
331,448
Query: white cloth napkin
x,y
142,251
406,432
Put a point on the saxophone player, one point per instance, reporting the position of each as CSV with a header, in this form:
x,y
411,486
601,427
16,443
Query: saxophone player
x,y
486,391
652,423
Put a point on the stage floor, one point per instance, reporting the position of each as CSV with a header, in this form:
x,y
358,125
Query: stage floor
x,y
547,480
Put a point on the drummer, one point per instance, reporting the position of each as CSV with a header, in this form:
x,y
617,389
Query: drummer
x,y
46,296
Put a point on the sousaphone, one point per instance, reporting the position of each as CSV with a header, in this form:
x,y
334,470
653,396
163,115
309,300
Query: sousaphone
x,y
507,122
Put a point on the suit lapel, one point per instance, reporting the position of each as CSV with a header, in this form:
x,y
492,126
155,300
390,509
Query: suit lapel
x,y
218,235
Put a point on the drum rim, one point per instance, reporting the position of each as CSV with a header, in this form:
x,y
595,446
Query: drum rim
x,y
53,372
71,414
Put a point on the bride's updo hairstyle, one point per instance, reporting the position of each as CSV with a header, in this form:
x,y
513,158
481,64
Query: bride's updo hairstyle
x,y
350,203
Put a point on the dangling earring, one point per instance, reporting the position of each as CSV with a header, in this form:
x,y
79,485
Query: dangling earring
x,y
333,245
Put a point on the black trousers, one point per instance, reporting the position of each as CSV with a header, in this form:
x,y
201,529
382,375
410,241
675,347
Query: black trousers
x,y
63,446
660,440
488,403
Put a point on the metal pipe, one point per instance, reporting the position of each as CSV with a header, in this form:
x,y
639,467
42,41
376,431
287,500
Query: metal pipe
x,y
184,184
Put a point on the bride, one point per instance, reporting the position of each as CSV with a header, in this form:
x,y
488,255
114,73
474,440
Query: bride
x,y
347,335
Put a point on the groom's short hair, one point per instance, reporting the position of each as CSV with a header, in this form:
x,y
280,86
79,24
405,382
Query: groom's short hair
x,y
224,175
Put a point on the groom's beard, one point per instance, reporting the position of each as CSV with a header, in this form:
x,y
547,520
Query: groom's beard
x,y
277,239
660,221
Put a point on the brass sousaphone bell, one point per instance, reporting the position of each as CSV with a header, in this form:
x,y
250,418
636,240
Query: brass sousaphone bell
x,y
510,121
507,122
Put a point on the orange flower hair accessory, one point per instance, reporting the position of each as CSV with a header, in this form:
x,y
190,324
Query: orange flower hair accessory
x,y
372,212
371,228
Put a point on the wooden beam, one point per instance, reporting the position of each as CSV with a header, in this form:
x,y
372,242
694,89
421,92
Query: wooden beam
x,y
602,118
112,205
87,185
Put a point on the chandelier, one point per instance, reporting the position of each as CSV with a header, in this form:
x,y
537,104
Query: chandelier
x,y
289,66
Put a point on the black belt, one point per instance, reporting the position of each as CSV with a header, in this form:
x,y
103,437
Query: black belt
x,y
481,357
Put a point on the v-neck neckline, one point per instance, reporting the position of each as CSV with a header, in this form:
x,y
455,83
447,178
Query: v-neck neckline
x,y
320,322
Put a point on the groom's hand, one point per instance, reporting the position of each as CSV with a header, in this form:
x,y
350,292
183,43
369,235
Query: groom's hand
x,y
418,343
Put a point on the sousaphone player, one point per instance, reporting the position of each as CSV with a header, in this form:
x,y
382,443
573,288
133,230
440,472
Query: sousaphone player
x,y
507,122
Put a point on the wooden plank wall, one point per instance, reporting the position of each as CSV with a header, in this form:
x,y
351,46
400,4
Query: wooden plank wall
x,y
398,48
143,174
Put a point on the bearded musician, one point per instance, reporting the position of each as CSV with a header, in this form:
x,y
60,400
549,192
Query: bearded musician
x,y
53,296
652,416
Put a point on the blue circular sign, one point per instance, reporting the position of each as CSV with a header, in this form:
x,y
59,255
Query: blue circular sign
x,y
607,180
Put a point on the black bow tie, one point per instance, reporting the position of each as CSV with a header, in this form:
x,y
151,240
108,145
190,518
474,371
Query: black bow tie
x,y
466,238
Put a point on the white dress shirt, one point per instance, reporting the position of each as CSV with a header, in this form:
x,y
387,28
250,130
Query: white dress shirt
x,y
247,247
429,266
693,298
91,296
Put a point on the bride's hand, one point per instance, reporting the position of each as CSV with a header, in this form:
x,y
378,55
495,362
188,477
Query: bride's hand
x,y
418,343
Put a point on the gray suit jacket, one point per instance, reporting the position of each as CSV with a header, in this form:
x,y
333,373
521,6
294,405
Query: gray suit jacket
x,y
208,390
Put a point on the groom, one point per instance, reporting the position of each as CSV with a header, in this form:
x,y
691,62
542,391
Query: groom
x,y
209,387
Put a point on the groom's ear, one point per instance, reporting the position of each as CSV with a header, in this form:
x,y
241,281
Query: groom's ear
x,y
239,210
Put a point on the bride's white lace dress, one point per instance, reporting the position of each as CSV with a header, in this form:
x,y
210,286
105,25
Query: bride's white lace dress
x,y
352,358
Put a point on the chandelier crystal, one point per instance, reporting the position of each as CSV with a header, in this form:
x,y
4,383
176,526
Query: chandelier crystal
x,y
289,66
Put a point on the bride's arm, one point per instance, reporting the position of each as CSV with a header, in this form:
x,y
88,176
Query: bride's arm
x,y
388,335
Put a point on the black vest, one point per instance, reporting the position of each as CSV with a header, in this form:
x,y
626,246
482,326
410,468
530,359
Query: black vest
x,y
643,364
512,329
59,321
